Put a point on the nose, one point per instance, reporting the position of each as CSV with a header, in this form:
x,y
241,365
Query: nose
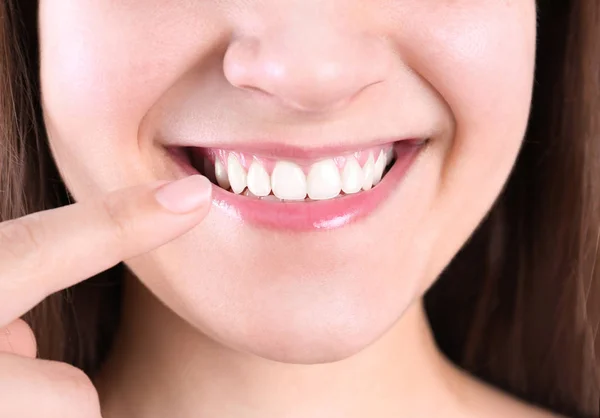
x,y
307,65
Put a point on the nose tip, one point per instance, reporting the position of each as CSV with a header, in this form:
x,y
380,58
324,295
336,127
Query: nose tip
x,y
310,74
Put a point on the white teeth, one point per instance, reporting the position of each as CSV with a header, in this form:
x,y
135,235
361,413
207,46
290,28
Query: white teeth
x,y
259,182
323,181
368,172
221,175
288,181
378,168
237,174
352,176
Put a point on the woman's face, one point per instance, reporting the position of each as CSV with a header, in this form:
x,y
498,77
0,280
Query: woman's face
x,y
299,93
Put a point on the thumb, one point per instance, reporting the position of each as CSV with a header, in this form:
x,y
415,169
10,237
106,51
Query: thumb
x,y
17,338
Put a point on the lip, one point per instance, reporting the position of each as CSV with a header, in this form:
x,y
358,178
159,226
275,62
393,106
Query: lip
x,y
313,215
290,152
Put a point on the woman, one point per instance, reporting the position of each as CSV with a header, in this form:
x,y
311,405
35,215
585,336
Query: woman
x,y
402,222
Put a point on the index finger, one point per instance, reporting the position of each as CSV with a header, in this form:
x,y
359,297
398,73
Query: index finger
x,y
47,251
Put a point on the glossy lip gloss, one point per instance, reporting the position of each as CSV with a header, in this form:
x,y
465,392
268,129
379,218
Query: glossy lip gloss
x,y
314,215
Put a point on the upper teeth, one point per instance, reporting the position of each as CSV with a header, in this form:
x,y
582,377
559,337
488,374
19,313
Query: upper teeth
x,y
352,176
324,179
259,182
238,179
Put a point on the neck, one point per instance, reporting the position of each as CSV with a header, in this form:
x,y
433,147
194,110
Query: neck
x,y
161,366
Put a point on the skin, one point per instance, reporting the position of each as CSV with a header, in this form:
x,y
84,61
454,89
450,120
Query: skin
x,y
231,320
45,252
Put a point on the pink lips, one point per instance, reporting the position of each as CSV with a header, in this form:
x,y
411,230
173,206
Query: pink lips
x,y
325,214
314,215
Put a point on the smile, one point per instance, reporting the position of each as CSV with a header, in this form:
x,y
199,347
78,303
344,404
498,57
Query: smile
x,y
298,190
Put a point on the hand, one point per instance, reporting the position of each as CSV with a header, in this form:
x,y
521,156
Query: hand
x,y
48,251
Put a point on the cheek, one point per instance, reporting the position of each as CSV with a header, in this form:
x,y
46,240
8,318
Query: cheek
x,y
103,67
120,56
479,58
486,81
481,63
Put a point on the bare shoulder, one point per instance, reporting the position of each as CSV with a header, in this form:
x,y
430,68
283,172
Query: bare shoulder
x,y
486,401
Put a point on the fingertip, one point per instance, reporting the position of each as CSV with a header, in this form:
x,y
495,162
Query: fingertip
x,y
186,195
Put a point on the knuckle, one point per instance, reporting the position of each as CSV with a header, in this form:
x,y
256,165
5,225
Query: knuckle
x,y
118,216
22,239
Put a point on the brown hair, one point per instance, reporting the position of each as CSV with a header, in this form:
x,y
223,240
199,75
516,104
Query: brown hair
x,y
519,305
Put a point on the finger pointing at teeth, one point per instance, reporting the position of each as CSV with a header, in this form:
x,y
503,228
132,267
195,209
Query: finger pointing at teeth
x,y
48,251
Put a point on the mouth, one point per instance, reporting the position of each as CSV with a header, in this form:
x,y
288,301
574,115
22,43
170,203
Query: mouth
x,y
299,190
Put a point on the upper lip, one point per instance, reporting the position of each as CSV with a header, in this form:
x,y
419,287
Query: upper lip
x,y
286,151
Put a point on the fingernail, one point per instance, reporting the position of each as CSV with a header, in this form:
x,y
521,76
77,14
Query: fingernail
x,y
185,195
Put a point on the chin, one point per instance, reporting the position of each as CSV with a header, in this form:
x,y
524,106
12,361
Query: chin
x,y
294,339
297,312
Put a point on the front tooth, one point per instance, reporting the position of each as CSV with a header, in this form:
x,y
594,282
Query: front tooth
x,y
259,182
288,181
237,174
323,181
368,172
352,176
221,175
378,169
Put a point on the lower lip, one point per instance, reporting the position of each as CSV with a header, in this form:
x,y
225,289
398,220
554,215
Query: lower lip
x,y
314,215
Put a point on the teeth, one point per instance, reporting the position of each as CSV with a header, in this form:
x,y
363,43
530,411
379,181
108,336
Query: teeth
x,y
323,181
379,167
221,175
259,182
237,174
288,181
368,172
352,176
